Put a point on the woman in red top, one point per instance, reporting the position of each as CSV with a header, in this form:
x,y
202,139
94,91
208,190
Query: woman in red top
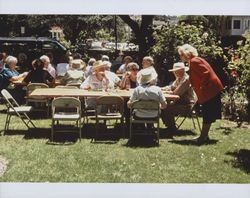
x,y
206,85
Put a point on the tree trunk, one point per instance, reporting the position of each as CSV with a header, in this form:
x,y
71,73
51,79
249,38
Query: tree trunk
x,y
143,33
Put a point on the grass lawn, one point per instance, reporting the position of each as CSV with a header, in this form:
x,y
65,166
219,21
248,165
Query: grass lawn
x,y
31,158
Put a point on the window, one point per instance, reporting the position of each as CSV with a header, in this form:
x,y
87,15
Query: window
x,y
236,24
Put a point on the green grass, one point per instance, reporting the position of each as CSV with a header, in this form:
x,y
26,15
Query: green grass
x,y
32,159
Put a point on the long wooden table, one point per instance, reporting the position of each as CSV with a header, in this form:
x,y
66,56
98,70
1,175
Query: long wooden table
x,y
58,92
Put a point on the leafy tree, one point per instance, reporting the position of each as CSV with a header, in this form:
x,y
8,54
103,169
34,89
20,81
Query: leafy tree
x,y
168,38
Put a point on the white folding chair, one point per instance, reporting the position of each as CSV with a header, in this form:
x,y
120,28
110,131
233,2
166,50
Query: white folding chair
x,y
38,102
67,109
150,105
13,108
109,108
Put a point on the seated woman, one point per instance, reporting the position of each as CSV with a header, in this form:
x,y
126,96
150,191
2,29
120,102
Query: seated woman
x,y
88,69
129,78
10,78
182,87
75,74
98,80
123,68
38,74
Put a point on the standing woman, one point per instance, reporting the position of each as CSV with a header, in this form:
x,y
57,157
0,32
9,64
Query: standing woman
x,y
207,87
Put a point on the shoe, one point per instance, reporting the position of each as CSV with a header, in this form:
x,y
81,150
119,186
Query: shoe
x,y
201,140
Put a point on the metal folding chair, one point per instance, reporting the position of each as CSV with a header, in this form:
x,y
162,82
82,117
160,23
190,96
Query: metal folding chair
x,y
13,108
39,103
67,109
144,105
191,114
108,108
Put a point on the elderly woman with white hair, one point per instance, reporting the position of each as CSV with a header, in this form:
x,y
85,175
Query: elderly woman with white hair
x,y
11,75
207,87
10,72
47,66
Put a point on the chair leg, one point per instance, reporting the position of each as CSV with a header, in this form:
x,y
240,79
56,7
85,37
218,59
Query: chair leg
x,y
181,122
193,122
6,127
130,130
52,130
198,122
80,128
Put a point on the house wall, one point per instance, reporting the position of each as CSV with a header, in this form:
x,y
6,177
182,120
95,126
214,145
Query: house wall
x,y
236,25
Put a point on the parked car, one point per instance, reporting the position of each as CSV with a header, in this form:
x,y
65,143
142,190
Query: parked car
x,y
32,47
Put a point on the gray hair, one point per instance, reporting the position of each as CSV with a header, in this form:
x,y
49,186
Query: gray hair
x,y
11,59
91,61
45,58
188,50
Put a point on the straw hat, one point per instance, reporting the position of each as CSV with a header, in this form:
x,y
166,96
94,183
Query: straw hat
x,y
98,64
178,66
146,76
77,64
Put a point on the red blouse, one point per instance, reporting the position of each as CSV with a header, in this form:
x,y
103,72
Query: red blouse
x,y
203,79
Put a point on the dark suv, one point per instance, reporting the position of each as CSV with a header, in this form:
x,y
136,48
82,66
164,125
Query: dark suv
x,y
32,47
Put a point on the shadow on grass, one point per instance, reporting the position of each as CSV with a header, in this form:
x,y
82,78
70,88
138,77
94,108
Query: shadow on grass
x,y
11,132
225,130
192,142
141,142
241,160
165,134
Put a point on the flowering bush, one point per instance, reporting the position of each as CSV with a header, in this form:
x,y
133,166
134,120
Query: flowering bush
x,y
239,70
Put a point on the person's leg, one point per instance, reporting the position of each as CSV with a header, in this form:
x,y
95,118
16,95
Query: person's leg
x,y
204,131
168,114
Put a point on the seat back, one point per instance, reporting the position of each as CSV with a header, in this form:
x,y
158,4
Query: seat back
x,y
114,103
11,102
66,87
146,105
66,104
32,86
77,85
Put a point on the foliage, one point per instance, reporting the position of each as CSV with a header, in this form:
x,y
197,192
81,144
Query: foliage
x,y
169,37
239,69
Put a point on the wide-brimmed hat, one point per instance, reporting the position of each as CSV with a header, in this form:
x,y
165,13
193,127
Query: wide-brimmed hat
x,y
146,76
77,64
177,66
98,64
